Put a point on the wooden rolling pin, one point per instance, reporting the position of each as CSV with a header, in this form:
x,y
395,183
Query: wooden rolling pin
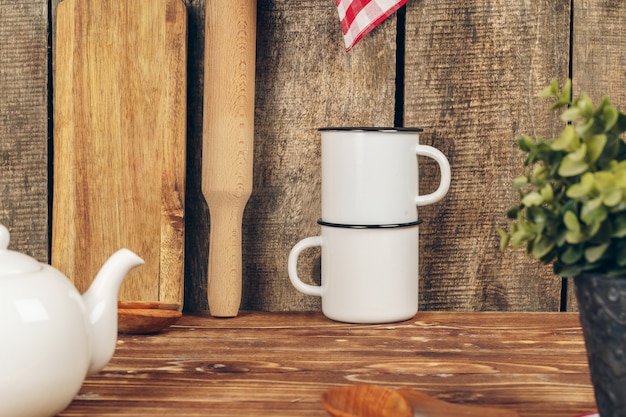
x,y
228,138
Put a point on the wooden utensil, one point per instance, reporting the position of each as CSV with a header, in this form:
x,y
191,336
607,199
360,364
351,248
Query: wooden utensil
x,y
143,317
119,142
425,405
228,137
377,401
145,320
365,401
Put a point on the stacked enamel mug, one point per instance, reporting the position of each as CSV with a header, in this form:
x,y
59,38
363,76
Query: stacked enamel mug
x,y
370,225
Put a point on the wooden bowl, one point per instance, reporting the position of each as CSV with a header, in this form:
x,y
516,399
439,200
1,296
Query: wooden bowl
x,y
145,320
147,305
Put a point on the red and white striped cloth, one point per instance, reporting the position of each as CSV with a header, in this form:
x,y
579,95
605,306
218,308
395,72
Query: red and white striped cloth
x,y
358,17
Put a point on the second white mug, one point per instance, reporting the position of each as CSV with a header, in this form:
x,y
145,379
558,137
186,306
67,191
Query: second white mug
x,y
369,274
370,175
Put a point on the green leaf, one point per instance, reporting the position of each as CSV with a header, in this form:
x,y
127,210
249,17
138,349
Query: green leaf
x,y
604,180
611,149
550,91
533,198
585,129
571,221
538,175
571,205
520,181
504,239
593,204
573,234
619,170
592,215
542,247
520,236
571,114
573,237
583,188
585,105
567,140
563,96
597,232
547,192
594,253
525,143
579,154
572,254
568,271
613,197
595,146
620,126
619,226
609,113
572,166
560,237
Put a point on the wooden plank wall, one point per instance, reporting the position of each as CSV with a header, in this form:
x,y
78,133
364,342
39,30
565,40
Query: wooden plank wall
x,y
473,70
468,74
24,124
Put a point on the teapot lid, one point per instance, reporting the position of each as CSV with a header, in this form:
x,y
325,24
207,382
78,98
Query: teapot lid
x,y
12,262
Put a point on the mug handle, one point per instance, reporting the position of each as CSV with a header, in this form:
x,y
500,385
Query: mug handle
x,y
444,170
292,266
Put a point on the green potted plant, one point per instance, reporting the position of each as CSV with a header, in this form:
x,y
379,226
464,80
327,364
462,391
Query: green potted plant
x,y
572,214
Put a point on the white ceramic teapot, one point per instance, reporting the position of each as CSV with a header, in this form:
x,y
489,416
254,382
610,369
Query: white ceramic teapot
x,y
50,336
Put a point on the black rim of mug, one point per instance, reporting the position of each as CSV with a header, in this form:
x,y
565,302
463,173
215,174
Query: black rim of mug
x,y
372,129
369,226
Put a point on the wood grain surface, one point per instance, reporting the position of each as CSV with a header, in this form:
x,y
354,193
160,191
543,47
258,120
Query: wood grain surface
x,y
24,125
278,364
119,141
473,71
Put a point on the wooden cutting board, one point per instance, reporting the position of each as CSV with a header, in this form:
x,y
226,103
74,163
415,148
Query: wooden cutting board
x,y
119,142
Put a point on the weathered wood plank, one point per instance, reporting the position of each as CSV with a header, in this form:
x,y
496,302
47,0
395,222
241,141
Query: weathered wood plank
x,y
598,45
279,364
24,125
473,71
196,210
599,60
304,80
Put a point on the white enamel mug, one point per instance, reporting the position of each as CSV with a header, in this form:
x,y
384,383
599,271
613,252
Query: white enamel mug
x,y
368,274
370,175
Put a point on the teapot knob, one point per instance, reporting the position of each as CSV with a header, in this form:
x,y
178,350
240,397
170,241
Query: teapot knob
x,y
4,237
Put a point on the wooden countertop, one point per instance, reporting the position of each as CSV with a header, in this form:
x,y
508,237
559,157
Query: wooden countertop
x,y
278,364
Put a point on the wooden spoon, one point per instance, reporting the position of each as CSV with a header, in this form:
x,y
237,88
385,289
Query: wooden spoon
x,y
365,401
427,406
376,401
144,318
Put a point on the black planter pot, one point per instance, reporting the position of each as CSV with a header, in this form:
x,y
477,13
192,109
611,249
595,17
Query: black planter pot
x,y
602,309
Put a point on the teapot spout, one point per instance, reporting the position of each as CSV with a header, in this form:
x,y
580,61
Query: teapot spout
x,y
101,302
